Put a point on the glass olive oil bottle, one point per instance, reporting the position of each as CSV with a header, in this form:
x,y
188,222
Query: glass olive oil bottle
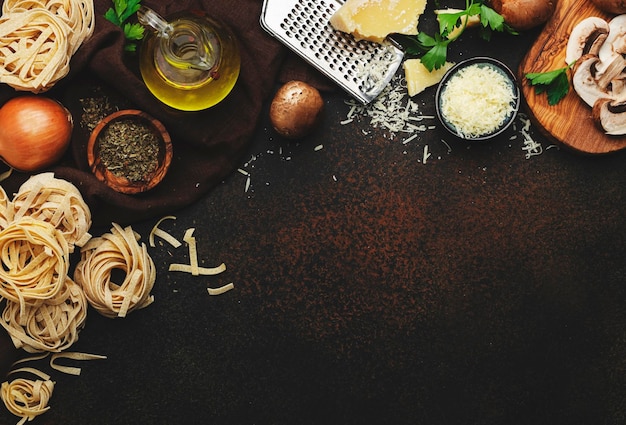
x,y
189,62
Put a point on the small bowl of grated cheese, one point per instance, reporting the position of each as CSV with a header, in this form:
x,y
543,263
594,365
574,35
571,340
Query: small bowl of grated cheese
x,y
477,99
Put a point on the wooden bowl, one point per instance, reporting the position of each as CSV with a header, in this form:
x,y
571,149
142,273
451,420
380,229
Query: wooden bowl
x,y
129,151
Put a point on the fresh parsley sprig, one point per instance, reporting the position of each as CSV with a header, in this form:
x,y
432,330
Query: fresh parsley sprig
x,y
433,50
555,83
119,14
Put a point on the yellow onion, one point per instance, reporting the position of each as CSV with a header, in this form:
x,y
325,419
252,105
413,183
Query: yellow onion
x,y
35,132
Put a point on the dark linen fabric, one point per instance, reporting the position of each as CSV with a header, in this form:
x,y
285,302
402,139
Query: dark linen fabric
x,y
207,145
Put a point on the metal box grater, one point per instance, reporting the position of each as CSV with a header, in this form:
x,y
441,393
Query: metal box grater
x,y
361,68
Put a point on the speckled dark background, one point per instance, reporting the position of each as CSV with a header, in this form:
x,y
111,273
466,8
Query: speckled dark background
x,y
481,287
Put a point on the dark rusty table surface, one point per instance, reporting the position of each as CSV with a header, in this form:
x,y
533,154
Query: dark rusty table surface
x,y
483,285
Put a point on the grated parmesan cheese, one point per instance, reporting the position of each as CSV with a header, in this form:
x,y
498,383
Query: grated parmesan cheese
x,y
477,100
393,110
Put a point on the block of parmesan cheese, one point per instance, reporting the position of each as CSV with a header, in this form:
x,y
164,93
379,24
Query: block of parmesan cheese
x,y
375,19
418,77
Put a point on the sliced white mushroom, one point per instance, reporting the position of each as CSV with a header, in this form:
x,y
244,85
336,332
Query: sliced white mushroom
x,y
610,116
586,37
585,80
611,72
618,87
617,31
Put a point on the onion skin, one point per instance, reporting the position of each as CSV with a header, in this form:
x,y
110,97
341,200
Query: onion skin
x,y
35,132
296,109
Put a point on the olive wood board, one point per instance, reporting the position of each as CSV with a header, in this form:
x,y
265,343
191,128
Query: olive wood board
x,y
569,121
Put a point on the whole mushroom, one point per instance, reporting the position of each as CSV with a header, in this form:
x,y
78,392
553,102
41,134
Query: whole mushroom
x,y
611,6
296,109
523,15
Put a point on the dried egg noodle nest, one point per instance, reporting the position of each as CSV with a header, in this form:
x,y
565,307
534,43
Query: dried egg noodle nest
x,y
38,39
58,202
35,262
6,209
100,257
33,50
27,398
77,14
49,327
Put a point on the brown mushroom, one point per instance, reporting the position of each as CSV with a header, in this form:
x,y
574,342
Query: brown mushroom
x,y
611,6
523,15
296,109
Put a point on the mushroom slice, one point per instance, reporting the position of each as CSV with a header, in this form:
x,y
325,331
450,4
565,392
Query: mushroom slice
x,y
617,30
585,82
619,45
610,116
618,86
586,37
612,71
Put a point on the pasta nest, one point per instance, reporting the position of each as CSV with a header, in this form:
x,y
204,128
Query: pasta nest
x,y
38,39
50,327
101,257
35,261
27,398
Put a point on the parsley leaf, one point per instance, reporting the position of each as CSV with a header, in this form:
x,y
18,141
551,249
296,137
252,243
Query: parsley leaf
x,y
121,11
434,50
449,21
555,83
435,57
132,6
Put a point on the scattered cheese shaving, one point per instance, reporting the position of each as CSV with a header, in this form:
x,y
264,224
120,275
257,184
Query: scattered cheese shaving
x,y
392,111
531,146
426,154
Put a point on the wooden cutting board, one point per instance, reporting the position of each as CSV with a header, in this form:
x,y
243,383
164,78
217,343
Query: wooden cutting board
x,y
569,122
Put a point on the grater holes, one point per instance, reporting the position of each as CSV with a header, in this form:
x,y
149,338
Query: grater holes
x,y
306,29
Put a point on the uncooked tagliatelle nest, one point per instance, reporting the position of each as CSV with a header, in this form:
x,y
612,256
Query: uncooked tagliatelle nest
x,y
6,209
44,309
52,326
35,262
38,39
100,258
57,202
27,398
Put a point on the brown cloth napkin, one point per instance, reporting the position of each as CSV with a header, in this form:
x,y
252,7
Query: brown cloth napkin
x,y
208,145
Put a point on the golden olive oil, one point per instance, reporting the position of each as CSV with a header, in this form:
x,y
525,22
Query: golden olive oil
x,y
194,67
